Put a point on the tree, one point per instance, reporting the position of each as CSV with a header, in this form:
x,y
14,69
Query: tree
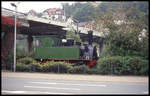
x,y
39,14
82,12
85,13
123,39
71,34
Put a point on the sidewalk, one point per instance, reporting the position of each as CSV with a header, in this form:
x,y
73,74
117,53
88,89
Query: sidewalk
x,y
100,78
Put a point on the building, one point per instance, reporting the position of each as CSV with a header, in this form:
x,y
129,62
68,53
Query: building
x,y
82,24
90,25
32,13
95,4
54,14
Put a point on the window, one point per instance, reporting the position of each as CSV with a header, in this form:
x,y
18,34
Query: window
x,y
37,43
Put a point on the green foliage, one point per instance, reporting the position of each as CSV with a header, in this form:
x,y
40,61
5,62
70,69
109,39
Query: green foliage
x,y
123,40
122,43
71,34
86,13
30,65
52,66
104,6
81,12
7,63
26,64
138,65
39,14
81,69
26,60
119,65
92,71
77,69
23,67
36,66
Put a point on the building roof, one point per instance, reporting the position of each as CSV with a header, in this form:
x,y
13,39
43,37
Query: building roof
x,y
82,24
51,10
54,10
32,12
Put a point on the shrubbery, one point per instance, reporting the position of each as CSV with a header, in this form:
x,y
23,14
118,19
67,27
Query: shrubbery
x,y
119,65
77,69
82,69
7,62
30,65
25,64
52,66
92,71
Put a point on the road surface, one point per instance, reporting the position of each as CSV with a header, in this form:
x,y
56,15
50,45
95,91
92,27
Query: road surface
x,y
26,85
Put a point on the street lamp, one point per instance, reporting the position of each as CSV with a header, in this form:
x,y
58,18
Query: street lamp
x,y
15,28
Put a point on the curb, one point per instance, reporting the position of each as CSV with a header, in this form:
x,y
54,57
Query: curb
x,y
98,78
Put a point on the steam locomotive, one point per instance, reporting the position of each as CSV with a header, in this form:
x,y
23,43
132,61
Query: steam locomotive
x,y
47,48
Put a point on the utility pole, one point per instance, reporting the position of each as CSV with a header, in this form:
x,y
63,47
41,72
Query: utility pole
x,y
15,29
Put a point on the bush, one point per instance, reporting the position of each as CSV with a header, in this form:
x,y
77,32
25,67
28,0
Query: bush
x,y
144,68
92,71
27,64
78,69
135,65
31,65
138,65
36,66
83,70
52,66
23,67
119,65
26,60
7,62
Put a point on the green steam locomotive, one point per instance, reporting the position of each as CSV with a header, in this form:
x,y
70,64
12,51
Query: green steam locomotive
x,y
47,48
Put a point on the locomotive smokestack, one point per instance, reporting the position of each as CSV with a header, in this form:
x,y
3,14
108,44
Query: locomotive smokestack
x,y
90,37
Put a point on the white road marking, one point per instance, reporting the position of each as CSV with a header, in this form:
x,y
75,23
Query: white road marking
x,y
41,92
145,92
29,92
53,87
70,84
17,92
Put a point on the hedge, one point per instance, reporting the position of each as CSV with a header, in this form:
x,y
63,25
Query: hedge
x,y
52,66
119,65
116,65
28,64
78,69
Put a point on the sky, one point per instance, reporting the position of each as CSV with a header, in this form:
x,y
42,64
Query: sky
x,y
25,7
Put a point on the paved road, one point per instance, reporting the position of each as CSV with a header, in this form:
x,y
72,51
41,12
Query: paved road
x,y
17,85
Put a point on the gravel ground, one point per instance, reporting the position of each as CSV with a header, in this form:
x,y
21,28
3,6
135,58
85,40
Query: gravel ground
x,y
102,78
